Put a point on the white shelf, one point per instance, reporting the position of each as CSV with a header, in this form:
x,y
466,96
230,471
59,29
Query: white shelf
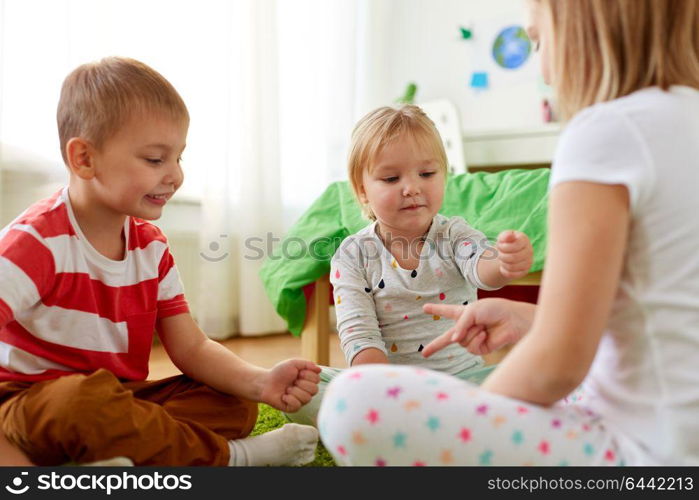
x,y
511,147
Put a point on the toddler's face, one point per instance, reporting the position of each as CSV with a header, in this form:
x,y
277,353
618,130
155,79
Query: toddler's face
x,y
137,170
404,188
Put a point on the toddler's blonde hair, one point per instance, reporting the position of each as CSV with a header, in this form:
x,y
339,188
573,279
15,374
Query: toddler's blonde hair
x,y
99,97
381,126
605,49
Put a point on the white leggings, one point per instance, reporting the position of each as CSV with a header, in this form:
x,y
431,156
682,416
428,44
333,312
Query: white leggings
x,y
399,415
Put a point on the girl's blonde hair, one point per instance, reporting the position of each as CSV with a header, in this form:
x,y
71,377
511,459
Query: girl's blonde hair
x,y
605,49
382,126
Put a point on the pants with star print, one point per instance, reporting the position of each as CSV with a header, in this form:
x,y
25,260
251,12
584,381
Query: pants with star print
x,y
308,413
399,415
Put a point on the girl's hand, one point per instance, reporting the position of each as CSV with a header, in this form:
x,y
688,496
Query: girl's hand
x,y
483,326
515,254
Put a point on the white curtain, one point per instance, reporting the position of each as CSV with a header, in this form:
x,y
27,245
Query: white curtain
x,y
296,101
241,196
273,88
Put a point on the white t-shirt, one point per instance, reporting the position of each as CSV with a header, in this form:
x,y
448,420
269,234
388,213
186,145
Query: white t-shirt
x,y
645,376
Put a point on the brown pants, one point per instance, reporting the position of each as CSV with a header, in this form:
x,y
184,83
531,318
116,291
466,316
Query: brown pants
x,y
84,418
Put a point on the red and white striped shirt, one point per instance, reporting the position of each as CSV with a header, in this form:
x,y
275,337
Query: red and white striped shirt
x,y
66,308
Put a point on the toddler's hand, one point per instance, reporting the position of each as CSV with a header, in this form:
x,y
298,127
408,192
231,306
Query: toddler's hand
x,y
515,254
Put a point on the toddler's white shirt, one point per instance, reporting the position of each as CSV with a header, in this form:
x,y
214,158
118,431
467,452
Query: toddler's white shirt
x,y
379,304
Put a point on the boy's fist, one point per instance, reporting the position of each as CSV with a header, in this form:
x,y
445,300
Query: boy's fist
x,y
290,384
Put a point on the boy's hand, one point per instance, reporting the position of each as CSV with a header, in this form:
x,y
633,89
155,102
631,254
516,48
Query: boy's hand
x,y
290,384
515,254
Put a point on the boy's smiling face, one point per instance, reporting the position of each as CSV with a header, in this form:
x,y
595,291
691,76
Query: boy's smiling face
x,y
404,188
137,170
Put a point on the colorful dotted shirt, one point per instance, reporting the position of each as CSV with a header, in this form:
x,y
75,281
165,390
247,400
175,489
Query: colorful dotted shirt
x,y
379,304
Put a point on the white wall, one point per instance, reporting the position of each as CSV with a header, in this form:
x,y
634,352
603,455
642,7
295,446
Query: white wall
x,y
419,40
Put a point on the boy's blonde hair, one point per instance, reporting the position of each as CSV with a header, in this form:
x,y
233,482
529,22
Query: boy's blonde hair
x,y
605,49
380,127
99,97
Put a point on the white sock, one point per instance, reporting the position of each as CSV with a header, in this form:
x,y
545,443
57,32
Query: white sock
x,y
293,444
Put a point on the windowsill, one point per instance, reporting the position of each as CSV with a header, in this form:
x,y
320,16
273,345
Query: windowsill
x,y
511,147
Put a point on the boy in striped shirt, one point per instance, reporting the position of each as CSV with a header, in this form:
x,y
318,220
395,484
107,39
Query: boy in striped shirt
x,y
84,282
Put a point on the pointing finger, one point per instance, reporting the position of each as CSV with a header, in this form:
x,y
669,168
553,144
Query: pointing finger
x,y
446,310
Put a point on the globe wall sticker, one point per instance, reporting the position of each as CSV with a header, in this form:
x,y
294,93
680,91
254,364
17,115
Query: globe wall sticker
x,y
511,47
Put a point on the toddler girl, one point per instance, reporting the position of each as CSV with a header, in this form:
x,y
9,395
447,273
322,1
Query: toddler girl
x,y
410,255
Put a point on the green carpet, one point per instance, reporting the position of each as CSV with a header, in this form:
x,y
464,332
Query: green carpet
x,y
270,419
